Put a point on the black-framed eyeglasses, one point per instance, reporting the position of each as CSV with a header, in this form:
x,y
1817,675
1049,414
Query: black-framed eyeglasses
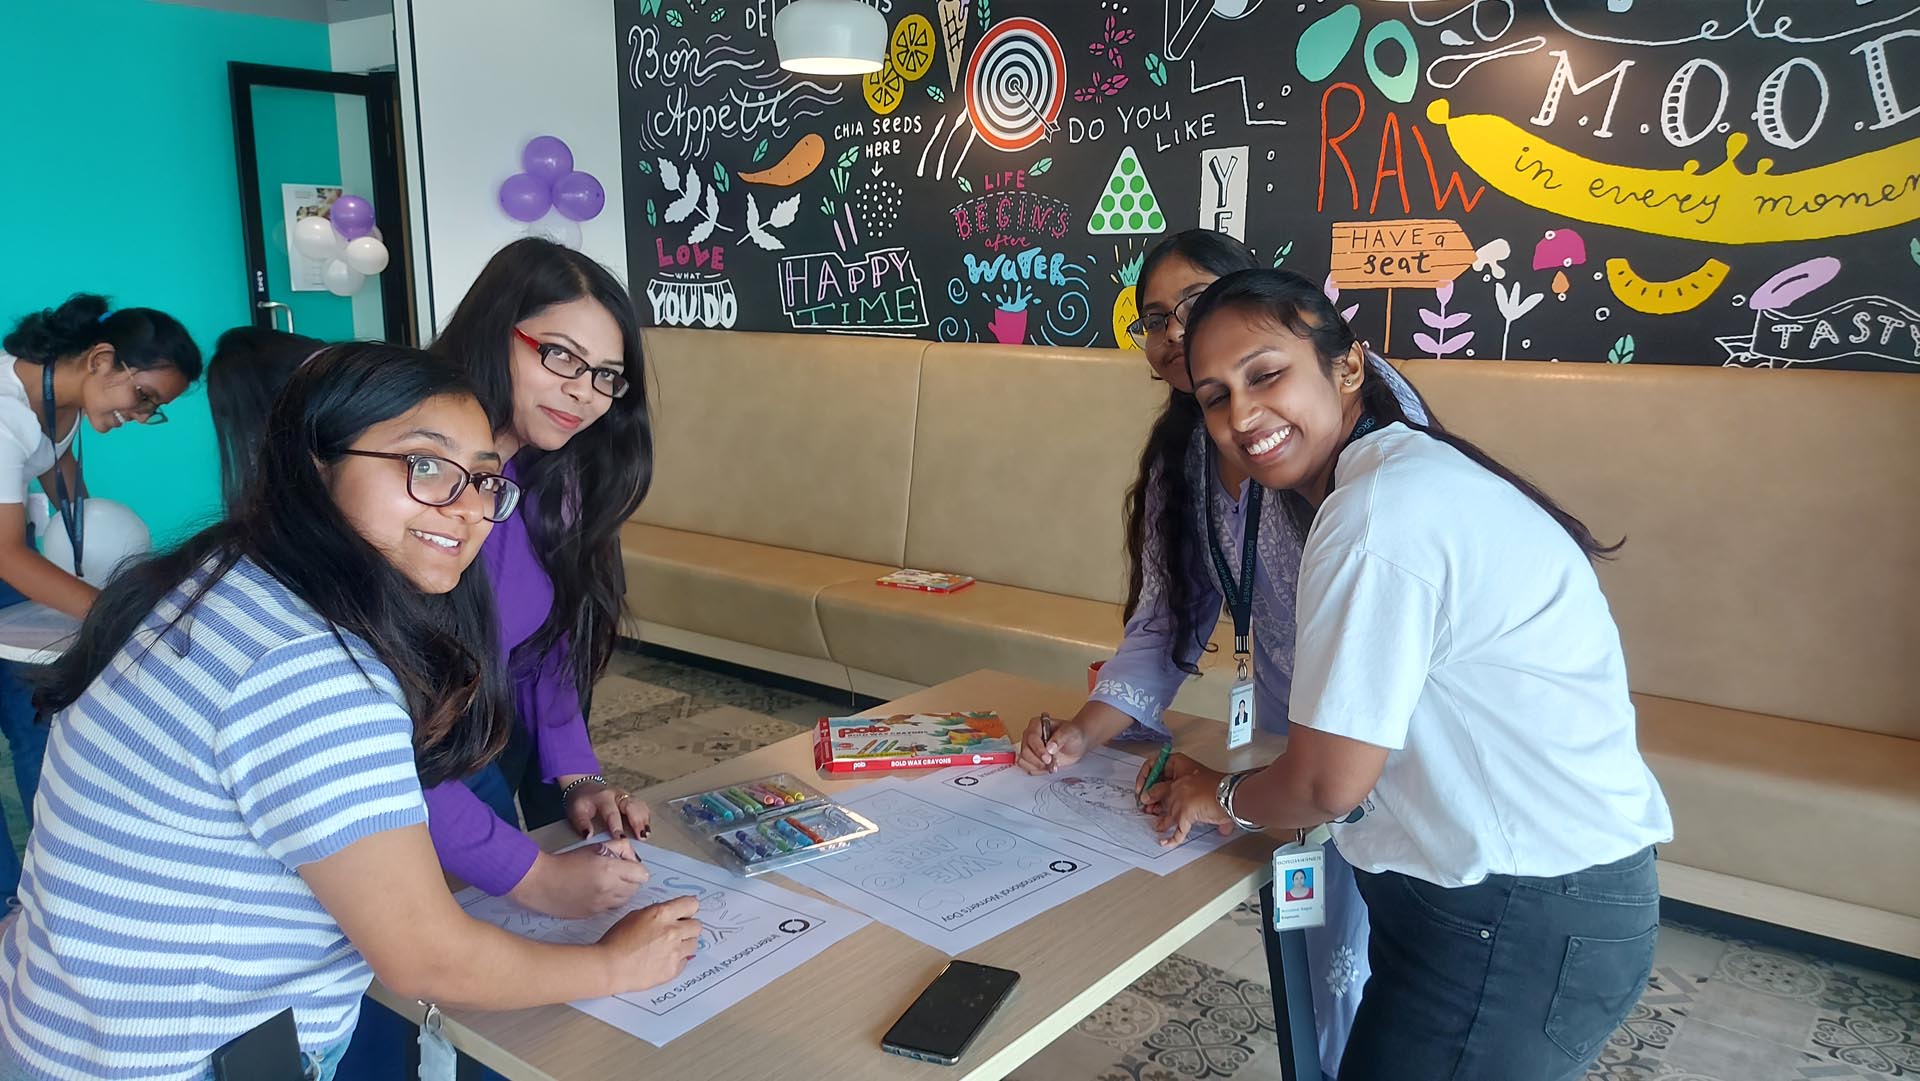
x,y
1156,322
146,408
562,362
437,482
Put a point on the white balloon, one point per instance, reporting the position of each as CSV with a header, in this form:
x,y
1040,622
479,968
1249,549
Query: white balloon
x,y
114,535
366,255
558,228
316,238
342,280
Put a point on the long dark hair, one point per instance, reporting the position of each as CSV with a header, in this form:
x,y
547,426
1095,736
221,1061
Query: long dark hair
x,y
1166,546
142,338
248,368
441,648
577,497
1288,300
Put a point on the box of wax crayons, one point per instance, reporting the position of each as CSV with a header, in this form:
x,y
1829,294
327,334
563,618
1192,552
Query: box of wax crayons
x,y
771,822
911,741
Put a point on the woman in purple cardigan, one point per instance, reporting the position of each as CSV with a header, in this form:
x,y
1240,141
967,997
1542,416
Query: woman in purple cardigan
x,y
552,342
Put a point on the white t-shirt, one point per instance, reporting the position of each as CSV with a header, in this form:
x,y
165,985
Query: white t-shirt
x,y
25,450
1445,616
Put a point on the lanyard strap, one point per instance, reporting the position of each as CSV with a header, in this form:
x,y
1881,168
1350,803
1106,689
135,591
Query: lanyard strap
x,y
1239,591
70,510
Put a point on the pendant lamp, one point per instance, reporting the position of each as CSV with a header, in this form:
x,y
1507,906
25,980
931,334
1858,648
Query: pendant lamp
x,y
830,37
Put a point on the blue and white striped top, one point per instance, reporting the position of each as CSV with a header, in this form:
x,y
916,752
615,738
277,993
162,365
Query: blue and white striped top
x,y
161,915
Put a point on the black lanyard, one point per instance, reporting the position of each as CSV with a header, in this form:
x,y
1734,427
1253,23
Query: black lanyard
x,y
1239,591
70,509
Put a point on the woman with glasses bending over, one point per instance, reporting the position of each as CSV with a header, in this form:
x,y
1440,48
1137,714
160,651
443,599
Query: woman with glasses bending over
x,y
232,801
550,339
58,365
1459,680
1175,595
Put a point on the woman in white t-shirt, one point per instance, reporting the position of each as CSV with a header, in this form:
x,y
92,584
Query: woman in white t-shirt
x,y
58,365
1459,702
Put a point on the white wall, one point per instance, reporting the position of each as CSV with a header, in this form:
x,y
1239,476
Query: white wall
x,y
491,74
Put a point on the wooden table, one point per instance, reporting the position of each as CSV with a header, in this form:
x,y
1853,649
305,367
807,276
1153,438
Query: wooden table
x,y
825,1019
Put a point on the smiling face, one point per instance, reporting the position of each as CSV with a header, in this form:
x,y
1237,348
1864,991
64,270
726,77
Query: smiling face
x,y
1271,407
1166,297
114,394
432,546
550,408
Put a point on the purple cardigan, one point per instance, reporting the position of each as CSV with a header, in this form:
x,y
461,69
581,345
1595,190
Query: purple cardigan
x,y
472,842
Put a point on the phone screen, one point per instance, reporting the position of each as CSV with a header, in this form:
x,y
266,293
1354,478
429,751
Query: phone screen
x,y
950,1012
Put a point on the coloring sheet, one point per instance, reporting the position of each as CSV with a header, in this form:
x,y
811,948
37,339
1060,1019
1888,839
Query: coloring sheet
x,y
948,871
755,932
1091,801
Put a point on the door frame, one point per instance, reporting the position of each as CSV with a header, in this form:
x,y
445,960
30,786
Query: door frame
x,y
380,90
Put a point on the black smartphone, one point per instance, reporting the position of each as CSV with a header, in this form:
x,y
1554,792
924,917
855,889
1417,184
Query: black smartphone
x,y
950,1012
268,1052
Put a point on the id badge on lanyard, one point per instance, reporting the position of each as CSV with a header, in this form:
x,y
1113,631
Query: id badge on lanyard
x,y
1239,594
1300,886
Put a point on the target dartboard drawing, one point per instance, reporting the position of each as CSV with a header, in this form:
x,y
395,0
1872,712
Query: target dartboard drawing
x,y
1016,83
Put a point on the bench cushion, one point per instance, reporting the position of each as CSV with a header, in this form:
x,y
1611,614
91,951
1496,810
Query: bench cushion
x,y
1829,811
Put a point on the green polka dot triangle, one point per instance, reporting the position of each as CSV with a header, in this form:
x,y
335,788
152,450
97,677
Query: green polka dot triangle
x,y
1127,205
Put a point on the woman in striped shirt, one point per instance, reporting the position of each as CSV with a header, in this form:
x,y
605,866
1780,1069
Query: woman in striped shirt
x,y
230,820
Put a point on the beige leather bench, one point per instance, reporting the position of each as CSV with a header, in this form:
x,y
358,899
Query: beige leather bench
x,y
1768,596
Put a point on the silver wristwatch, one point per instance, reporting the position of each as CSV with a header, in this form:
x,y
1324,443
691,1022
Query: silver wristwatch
x,y
1223,793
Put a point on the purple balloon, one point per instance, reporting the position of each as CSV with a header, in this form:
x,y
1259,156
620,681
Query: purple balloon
x,y
546,158
352,216
525,198
579,196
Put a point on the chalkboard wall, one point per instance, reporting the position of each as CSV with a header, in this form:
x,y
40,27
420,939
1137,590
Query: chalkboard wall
x,y
1627,181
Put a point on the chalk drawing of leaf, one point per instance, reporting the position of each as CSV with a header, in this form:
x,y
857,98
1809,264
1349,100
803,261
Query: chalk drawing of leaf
x,y
755,233
1112,85
1425,341
669,175
705,229
674,18
964,186
1086,93
1444,322
681,208
1040,167
1280,254
849,156
652,217
1442,346
1622,351
935,93
826,207
645,166
1122,36
1511,306
1156,69
1915,250
784,212
760,151
720,179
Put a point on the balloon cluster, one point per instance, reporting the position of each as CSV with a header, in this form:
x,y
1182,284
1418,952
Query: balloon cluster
x,y
549,182
346,238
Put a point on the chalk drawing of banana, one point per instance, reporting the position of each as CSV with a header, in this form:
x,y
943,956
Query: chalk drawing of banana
x,y
1724,205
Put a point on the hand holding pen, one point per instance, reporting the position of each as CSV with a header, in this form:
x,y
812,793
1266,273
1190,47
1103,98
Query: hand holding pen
x,y
1050,744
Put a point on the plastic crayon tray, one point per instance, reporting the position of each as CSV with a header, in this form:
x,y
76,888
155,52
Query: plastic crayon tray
x,y
748,801
770,822
774,842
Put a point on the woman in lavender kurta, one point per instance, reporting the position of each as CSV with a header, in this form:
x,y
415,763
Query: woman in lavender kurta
x,y
1175,599
552,341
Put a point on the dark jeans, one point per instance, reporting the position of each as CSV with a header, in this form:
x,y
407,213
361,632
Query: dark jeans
x,y
27,742
1512,979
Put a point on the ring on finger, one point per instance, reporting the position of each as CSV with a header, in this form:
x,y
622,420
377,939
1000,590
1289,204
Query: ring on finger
x,y
624,797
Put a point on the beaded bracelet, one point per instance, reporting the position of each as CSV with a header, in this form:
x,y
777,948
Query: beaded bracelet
x,y
578,781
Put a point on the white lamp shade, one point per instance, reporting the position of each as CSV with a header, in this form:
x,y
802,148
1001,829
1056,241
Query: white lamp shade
x,y
830,37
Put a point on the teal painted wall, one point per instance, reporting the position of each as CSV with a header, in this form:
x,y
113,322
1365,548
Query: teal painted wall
x,y
119,178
